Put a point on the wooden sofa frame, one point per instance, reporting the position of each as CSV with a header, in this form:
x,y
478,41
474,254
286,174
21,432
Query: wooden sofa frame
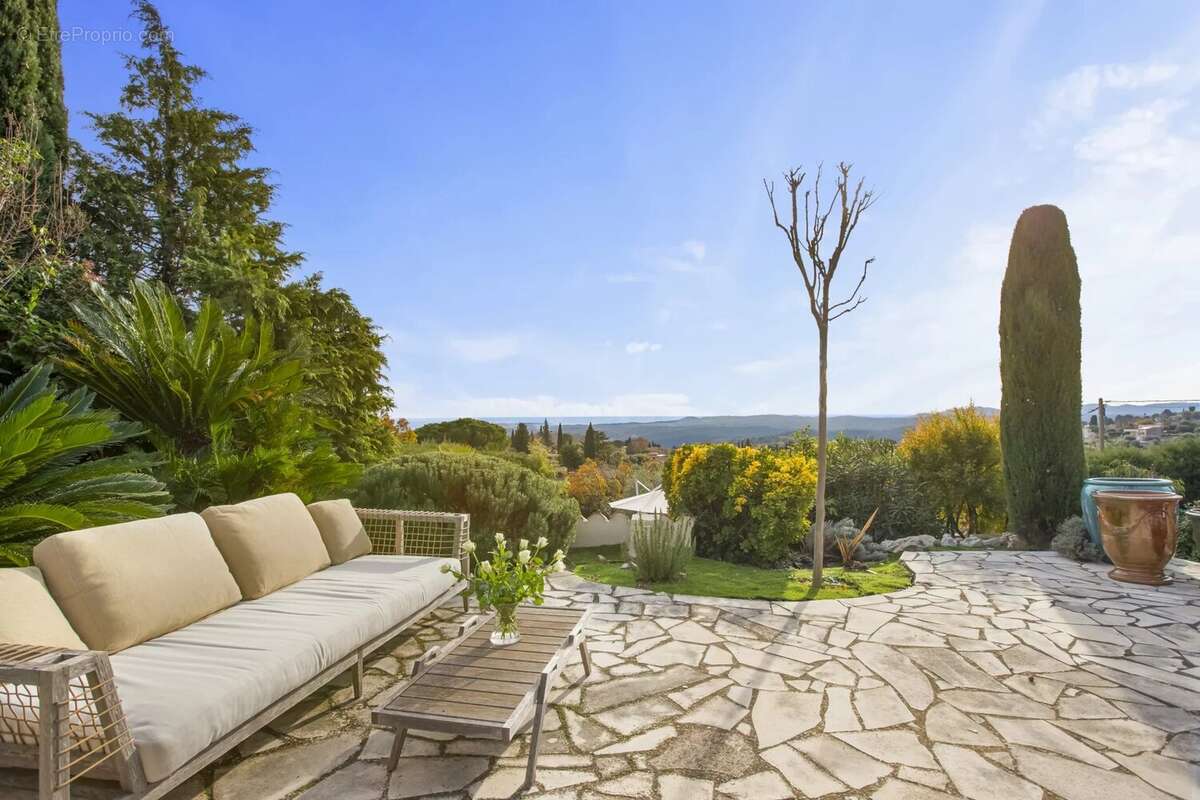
x,y
60,710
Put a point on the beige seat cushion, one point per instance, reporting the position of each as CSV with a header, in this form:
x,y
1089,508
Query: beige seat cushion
x,y
30,614
183,691
123,584
341,529
268,542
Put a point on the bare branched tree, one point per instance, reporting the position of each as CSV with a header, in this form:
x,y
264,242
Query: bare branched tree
x,y
818,263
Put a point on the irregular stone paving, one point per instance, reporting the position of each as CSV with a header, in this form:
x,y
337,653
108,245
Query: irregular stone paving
x,y
997,675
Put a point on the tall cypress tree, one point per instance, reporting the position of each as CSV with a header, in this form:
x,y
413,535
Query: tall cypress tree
x,y
520,438
591,447
31,80
558,442
1040,352
545,432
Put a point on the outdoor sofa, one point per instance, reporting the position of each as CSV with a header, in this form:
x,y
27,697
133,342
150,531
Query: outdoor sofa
x,y
142,652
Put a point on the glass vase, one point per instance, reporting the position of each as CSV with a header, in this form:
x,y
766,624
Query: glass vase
x,y
506,631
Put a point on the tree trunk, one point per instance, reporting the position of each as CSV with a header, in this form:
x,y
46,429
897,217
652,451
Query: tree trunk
x,y
822,435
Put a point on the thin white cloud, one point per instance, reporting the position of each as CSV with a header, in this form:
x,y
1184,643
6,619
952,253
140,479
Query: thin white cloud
x,y
765,366
665,404
1074,97
694,248
687,256
627,277
1137,139
483,349
636,348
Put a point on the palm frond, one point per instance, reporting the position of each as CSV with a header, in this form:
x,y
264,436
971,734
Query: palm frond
x,y
50,477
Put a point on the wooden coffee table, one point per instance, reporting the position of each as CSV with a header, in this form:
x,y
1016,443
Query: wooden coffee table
x,y
470,686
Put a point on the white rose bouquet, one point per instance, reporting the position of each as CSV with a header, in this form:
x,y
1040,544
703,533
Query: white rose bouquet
x,y
508,579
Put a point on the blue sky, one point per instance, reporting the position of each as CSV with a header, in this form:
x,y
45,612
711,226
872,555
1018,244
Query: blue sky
x,y
556,208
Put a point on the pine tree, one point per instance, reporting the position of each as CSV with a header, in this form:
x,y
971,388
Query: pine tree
x,y
31,80
1041,388
169,198
591,445
558,441
520,438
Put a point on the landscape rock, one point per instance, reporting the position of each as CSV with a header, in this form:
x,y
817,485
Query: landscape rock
x,y
906,543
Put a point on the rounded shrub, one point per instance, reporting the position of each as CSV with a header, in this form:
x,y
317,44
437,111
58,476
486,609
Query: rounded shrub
x,y
748,503
499,495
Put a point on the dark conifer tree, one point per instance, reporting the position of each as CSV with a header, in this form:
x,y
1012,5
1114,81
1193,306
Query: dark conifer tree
x,y
1041,388
591,444
169,196
31,80
520,438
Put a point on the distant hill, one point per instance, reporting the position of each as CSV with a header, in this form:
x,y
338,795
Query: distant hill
x,y
758,428
1112,411
768,428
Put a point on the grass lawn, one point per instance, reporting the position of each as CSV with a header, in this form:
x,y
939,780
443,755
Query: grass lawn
x,y
706,576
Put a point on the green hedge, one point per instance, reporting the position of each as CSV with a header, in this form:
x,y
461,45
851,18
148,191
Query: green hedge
x,y
868,474
1177,459
499,495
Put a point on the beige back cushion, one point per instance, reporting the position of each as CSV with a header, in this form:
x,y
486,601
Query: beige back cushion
x,y
121,585
268,543
30,615
341,529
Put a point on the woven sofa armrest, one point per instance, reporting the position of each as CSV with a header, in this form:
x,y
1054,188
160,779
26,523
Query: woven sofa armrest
x,y
416,533
60,713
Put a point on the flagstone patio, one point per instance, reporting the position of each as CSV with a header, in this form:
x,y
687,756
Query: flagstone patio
x,y
996,675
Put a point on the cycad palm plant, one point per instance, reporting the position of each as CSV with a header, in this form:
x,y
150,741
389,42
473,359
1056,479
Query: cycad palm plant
x,y
222,405
46,485
187,384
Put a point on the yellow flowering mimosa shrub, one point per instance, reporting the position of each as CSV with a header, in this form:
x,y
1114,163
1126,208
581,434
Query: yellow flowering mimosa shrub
x,y
749,503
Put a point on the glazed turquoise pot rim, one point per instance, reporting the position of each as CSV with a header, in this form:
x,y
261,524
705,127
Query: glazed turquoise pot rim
x,y
1155,481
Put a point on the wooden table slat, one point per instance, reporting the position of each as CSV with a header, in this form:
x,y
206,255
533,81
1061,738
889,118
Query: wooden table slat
x,y
493,662
524,656
526,638
473,696
457,670
483,684
543,653
545,622
441,708
546,615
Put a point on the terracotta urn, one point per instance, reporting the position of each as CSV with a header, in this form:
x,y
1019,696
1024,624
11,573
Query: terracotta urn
x,y
1139,532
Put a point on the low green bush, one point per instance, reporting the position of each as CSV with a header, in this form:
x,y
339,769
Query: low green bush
x,y
1188,544
869,474
661,548
1072,541
1179,458
500,496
